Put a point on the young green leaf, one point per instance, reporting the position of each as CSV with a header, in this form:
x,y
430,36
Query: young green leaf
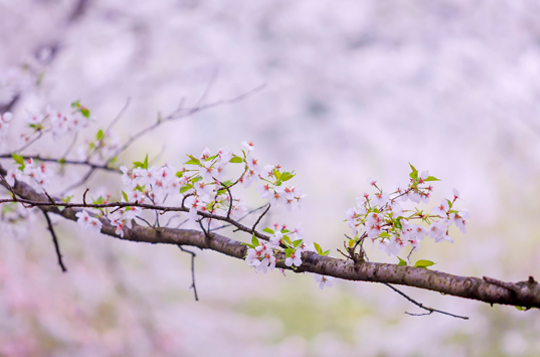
x,y
145,163
287,240
99,135
18,159
431,178
236,160
192,162
125,196
254,240
268,230
318,248
422,263
286,176
186,188
402,262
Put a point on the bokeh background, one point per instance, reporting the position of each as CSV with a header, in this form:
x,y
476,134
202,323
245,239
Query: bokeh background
x,y
353,89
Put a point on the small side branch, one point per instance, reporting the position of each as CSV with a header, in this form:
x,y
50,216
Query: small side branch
x,y
429,310
55,241
260,217
193,286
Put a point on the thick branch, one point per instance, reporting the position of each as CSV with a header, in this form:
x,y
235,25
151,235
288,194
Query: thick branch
x,y
525,294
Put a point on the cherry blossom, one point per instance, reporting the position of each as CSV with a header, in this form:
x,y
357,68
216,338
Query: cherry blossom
x,y
324,281
248,145
88,222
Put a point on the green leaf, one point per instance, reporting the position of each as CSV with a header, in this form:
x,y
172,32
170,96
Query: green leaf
x,y
186,188
326,252
297,243
449,204
431,178
247,244
76,104
196,179
384,234
227,183
287,240
351,243
286,176
268,230
520,308
254,240
422,263
179,174
85,112
67,199
192,162
318,248
99,201
146,162
125,196
288,252
138,164
99,135
236,160
397,222
402,262
18,159
277,174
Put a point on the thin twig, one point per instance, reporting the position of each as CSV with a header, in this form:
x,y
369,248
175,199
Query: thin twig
x,y
80,182
182,223
238,220
84,196
55,241
145,221
208,87
261,216
183,113
61,161
420,305
115,120
193,255
71,145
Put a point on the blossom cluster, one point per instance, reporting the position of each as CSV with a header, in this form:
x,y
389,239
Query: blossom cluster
x,y
381,218
57,122
263,255
29,170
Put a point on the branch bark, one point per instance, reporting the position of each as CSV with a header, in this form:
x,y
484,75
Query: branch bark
x,y
525,293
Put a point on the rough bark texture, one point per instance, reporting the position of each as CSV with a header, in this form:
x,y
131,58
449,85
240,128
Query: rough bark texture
x,y
525,293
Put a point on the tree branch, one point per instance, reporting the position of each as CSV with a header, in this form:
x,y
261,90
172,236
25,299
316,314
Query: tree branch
x,y
526,295
55,241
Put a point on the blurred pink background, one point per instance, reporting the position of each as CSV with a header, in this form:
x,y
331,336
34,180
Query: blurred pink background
x,y
353,90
